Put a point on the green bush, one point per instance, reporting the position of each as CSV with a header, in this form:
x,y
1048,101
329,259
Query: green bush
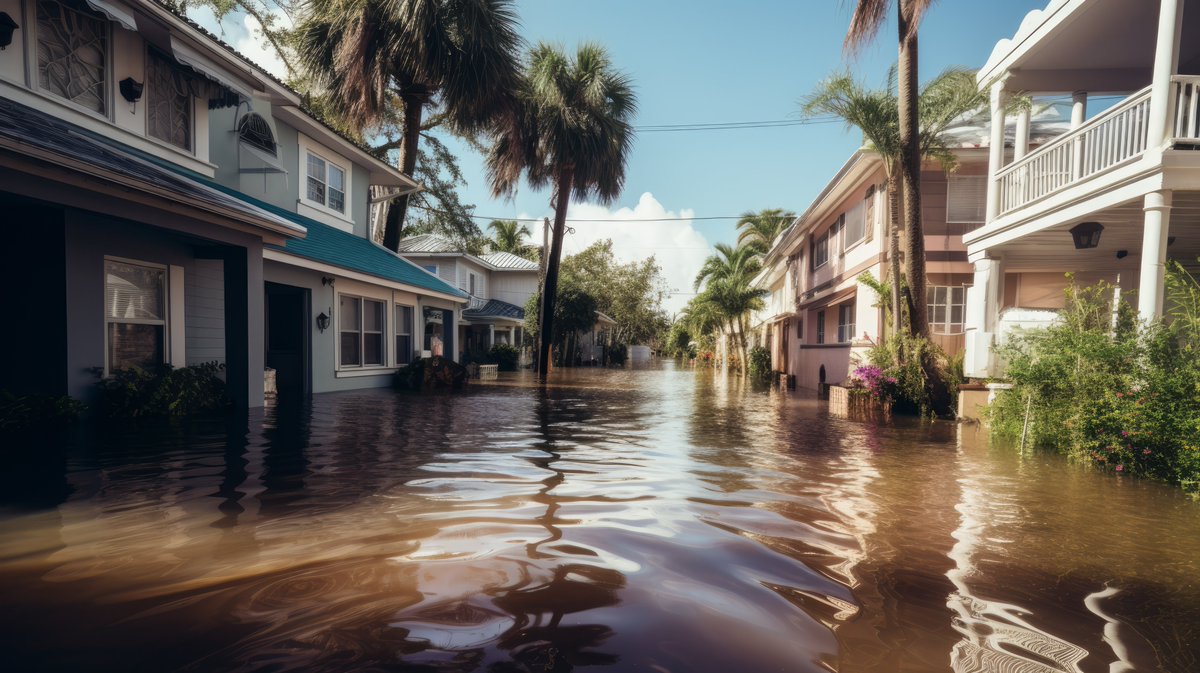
x,y
760,363
616,354
165,391
506,356
21,412
905,360
1124,398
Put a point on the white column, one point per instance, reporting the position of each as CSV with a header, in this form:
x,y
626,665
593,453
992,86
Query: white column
x,y
1166,62
1078,116
1154,255
984,299
996,150
1021,140
491,336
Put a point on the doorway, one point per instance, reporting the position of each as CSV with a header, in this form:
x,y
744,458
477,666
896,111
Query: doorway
x,y
288,338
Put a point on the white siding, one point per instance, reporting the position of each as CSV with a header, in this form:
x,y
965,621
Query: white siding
x,y
204,312
514,287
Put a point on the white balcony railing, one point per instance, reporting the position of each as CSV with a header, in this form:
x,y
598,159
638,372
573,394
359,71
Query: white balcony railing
x,y
1111,138
1186,129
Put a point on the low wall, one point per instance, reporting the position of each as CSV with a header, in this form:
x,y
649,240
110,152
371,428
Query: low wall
x,y
844,402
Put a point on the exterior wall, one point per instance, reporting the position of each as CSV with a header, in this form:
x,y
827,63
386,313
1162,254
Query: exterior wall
x,y
204,312
514,287
447,268
462,280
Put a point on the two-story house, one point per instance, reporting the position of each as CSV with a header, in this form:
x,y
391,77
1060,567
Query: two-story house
x,y
173,203
498,285
1112,199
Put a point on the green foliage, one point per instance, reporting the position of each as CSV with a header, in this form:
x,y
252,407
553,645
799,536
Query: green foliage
x,y
165,391
757,231
23,412
630,293
1108,392
679,342
506,356
760,363
616,354
908,360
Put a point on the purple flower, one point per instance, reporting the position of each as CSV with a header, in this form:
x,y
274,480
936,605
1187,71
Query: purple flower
x,y
1120,468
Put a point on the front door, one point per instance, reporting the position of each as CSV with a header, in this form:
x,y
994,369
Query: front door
x,y
287,337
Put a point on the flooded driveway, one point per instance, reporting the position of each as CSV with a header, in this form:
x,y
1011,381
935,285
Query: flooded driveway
x,y
657,520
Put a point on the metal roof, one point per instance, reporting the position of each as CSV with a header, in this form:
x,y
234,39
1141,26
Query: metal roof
x,y
494,308
507,260
428,243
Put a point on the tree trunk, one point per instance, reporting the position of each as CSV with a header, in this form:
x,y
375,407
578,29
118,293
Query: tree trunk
x,y
562,198
910,172
414,106
893,193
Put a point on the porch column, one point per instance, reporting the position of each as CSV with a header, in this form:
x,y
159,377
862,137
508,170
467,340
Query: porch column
x,y
1078,116
1154,255
1021,140
491,335
995,150
1166,63
984,299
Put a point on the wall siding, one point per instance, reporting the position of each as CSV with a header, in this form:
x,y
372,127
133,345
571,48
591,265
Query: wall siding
x,y
204,312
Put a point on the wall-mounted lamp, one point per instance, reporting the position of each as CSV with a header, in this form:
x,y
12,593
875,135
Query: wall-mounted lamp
x,y
1170,240
1122,254
1086,235
7,26
322,322
327,281
131,89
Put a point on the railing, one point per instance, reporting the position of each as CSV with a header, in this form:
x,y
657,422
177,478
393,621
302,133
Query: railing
x,y
1111,138
475,303
1186,129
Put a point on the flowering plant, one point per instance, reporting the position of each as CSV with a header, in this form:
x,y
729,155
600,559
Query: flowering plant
x,y
876,380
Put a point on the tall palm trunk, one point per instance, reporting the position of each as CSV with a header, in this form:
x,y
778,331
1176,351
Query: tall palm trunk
x,y
562,198
910,172
893,194
414,106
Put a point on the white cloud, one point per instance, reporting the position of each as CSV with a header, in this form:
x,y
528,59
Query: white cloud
x,y
675,244
244,33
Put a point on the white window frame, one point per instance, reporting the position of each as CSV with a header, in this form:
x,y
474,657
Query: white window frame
x,y
950,182
846,329
818,242
362,332
396,334
946,327
165,321
341,220
35,74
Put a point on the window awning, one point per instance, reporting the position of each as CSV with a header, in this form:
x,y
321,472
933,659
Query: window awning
x,y
116,12
203,65
259,160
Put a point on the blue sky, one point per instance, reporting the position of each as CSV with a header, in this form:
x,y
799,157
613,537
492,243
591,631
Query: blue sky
x,y
718,61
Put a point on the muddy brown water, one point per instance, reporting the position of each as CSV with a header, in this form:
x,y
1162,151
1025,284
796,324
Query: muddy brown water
x,y
658,520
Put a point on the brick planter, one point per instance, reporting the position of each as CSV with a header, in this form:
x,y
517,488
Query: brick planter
x,y
855,403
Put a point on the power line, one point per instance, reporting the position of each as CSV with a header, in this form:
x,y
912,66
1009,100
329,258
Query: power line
x,y
730,126
612,219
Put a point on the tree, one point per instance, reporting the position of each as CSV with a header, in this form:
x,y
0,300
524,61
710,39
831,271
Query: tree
x,y
726,277
630,293
758,231
865,23
509,236
949,97
457,56
572,131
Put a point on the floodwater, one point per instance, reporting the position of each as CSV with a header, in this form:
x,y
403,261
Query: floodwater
x,y
658,520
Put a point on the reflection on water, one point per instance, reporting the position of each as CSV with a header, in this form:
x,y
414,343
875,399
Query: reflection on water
x,y
648,520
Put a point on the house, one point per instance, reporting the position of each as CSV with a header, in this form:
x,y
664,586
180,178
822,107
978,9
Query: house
x,y
1113,198
497,286
175,204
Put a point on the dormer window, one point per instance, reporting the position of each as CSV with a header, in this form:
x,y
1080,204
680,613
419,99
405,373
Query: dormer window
x,y
254,131
72,53
168,102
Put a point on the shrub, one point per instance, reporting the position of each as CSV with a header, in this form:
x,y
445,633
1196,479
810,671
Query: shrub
x,y
616,354
21,412
877,382
506,356
905,360
1123,398
164,391
760,363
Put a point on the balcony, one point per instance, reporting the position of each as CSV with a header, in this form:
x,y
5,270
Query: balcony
x,y
1114,138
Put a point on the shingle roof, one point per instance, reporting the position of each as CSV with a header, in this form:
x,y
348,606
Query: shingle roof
x,y
495,308
507,260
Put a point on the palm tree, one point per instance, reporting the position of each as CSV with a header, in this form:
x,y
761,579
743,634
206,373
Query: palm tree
x,y
949,97
459,57
758,231
509,235
572,131
865,23
726,278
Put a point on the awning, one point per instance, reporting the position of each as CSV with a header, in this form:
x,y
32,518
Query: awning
x,y
260,161
193,59
116,12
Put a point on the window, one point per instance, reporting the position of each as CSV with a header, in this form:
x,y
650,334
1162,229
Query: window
x,y
856,223
135,313
404,339
471,284
431,268
820,251
72,53
846,323
436,323
254,131
966,199
168,102
947,306
326,183
360,326
820,327
869,214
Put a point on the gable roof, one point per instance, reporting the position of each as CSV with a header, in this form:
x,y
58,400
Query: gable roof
x,y
428,243
494,308
434,245
507,260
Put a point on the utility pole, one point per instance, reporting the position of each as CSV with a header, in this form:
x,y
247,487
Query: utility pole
x,y
541,307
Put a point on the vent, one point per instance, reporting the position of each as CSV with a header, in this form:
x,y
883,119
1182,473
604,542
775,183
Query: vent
x,y
255,132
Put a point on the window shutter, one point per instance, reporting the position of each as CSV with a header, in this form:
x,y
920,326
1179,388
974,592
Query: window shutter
x,y
966,199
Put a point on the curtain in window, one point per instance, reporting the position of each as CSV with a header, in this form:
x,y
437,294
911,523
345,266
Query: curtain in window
x,y
135,314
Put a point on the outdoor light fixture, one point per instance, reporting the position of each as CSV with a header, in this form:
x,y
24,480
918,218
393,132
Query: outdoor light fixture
x,y
1086,235
7,26
322,322
1122,254
1170,240
326,281
131,89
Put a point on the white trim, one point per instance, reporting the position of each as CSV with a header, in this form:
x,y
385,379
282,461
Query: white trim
x,y
175,319
165,321
364,371
309,146
323,216
294,260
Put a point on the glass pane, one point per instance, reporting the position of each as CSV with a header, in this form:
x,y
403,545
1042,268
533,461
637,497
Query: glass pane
x,y
940,295
404,320
350,355
337,200
349,309
939,313
316,167
956,314
72,51
134,346
372,316
929,294
404,349
959,295
316,190
337,178
373,349
132,291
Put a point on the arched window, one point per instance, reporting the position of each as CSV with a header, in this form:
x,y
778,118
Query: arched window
x,y
255,132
